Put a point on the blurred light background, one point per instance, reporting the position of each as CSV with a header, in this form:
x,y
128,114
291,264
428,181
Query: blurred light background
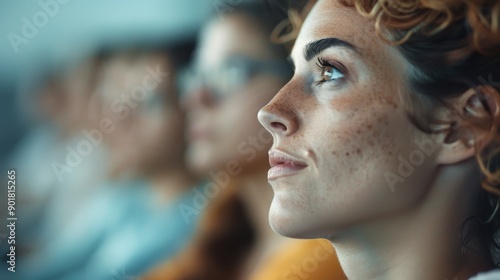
x,y
76,29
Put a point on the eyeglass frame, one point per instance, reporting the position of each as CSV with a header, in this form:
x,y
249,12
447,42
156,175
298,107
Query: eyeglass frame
x,y
276,67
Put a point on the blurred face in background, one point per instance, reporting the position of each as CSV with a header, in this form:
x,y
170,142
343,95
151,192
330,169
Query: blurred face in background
x,y
235,73
139,98
65,99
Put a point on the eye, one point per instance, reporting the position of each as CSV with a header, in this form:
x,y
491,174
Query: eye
x,y
329,72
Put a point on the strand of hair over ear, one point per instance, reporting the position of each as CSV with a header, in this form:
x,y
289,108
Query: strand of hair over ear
x,y
491,182
490,166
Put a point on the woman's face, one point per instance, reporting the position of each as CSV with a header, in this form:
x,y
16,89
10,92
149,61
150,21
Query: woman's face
x,y
340,131
223,105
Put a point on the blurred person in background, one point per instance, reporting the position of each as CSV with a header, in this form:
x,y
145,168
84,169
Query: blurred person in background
x,y
132,222
60,177
236,71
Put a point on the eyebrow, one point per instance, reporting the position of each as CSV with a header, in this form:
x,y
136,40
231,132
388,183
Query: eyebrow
x,y
314,48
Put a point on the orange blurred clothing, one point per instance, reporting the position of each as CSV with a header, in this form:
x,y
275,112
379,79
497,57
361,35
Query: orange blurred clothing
x,y
302,259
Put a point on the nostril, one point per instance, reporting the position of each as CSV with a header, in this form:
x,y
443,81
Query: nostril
x,y
279,126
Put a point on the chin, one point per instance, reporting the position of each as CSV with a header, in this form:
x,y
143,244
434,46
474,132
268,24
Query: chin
x,y
287,224
297,222
285,228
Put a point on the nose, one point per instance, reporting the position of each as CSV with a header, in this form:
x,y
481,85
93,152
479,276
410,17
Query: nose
x,y
279,116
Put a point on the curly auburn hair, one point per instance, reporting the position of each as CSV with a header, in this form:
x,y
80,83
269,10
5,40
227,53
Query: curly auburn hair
x,y
430,17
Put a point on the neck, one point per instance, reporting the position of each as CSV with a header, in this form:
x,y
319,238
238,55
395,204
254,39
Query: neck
x,y
420,243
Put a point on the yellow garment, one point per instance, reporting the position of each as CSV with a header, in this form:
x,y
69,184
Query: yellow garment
x,y
302,259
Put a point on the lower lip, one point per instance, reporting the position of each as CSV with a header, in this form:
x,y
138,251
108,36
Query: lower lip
x,y
283,170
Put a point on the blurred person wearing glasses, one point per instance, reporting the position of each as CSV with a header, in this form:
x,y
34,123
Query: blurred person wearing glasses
x,y
236,70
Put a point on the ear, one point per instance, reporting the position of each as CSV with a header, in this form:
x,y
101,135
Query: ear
x,y
473,124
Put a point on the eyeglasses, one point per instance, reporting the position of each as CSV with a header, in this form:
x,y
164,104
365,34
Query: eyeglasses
x,y
231,75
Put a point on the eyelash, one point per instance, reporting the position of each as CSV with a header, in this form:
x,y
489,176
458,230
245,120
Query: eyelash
x,y
323,64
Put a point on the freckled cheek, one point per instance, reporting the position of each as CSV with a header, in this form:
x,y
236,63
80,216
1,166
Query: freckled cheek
x,y
366,136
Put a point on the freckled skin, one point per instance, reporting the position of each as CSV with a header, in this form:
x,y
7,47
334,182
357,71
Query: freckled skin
x,y
354,132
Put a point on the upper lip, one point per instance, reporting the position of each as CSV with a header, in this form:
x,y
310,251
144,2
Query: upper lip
x,y
277,157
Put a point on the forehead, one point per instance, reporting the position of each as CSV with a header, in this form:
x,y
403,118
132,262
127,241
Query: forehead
x,y
330,19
